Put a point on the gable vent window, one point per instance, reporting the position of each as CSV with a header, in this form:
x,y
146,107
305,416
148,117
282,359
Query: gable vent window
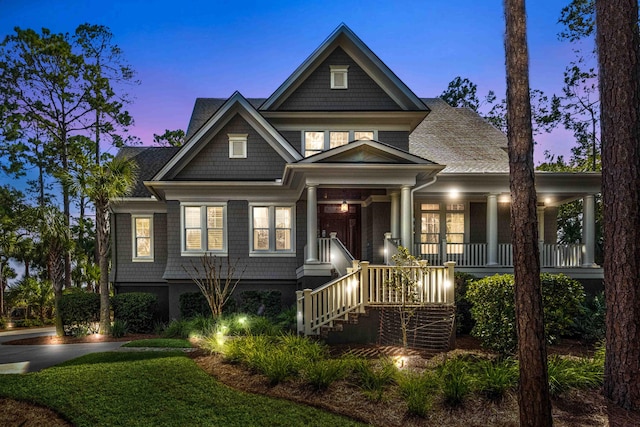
x,y
339,76
237,146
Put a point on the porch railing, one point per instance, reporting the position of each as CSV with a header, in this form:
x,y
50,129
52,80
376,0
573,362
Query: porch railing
x,y
476,254
390,248
368,285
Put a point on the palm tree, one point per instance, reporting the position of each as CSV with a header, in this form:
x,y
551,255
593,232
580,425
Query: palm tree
x,y
105,182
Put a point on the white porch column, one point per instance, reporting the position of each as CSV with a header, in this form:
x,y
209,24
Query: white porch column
x,y
406,218
312,225
395,215
589,230
492,230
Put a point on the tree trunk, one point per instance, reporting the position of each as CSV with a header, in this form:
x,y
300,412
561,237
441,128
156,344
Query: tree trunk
x,y
57,296
533,391
618,56
102,241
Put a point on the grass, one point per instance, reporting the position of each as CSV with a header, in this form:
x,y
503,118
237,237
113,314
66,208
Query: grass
x,y
160,343
152,389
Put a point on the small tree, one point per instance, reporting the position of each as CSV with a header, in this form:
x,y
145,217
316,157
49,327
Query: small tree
x,y
404,283
216,287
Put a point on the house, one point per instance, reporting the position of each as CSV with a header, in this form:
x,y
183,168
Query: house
x,y
343,162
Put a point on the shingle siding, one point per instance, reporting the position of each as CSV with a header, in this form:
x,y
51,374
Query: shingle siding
x,y
144,272
295,139
213,162
399,139
315,92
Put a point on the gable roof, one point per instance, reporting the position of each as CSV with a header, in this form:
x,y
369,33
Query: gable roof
x,y
366,151
459,138
366,59
236,104
149,160
204,108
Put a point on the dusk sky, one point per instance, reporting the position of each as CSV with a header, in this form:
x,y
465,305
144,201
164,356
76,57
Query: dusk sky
x,y
189,49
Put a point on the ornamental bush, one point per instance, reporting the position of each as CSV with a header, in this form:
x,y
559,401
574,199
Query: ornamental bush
x,y
494,309
79,312
137,309
251,302
193,304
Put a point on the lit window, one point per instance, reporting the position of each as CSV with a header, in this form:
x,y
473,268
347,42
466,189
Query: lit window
x,y
142,232
366,135
272,229
313,143
336,139
237,146
339,76
433,218
204,229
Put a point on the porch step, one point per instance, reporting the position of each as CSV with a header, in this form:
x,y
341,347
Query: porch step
x,y
338,324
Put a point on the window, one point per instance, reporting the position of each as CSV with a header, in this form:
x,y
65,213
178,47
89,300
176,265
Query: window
x,y
315,142
237,146
272,229
436,222
142,232
339,76
204,229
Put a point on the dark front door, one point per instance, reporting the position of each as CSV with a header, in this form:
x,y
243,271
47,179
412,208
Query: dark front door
x,y
345,224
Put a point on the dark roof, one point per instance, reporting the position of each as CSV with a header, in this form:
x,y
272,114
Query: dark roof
x,y
150,160
204,108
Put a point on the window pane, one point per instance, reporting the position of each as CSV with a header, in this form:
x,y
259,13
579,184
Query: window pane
x,y
336,139
260,217
261,240
193,240
455,223
429,238
308,153
214,239
455,206
430,223
214,217
283,240
192,217
314,140
237,148
143,247
363,135
455,238
430,206
283,217
143,227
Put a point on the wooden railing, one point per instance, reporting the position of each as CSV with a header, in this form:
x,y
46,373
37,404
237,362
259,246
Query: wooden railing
x,y
366,285
390,248
476,254
324,249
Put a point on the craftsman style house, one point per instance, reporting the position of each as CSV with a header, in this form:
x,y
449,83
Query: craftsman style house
x,y
342,162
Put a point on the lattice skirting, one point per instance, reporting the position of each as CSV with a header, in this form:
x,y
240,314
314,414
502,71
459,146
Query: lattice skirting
x,y
429,328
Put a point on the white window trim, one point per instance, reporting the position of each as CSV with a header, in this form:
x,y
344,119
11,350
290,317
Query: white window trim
x,y
272,231
327,136
134,257
238,137
442,212
339,69
203,227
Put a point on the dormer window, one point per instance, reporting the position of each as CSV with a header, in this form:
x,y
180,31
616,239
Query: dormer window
x,y
339,76
237,146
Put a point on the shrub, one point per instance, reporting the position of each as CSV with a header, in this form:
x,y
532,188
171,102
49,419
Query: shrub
x,y
567,373
79,312
3,323
494,312
177,329
251,302
418,391
322,373
118,328
456,381
373,378
464,320
495,378
590,323
137,309
193,304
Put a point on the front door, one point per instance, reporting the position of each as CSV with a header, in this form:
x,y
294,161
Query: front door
x,y
345,224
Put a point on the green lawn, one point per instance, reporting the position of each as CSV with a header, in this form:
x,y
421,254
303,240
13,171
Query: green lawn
x,y
152,389
160,342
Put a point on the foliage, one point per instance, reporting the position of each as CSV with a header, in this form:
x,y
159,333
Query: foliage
x,y
373,378
177,329
322,373
419,391
3,322
495,378
216,280
119,328
494,312
31,293
457,381
160,343
578,17
261,302
137,309
464,320
590,323
193,304
170,138
175,391
79,311
566,373
462,92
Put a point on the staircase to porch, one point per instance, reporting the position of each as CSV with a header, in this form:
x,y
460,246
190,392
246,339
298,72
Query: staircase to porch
x,y
362,289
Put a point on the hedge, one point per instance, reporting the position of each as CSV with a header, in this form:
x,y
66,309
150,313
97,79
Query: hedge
x,y
138,309
252,302
79,312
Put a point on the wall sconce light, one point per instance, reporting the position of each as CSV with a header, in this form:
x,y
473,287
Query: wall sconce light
x,y
344,207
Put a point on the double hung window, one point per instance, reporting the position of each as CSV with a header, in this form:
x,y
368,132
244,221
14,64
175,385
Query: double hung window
x,y
272,229
315,142
204,229
142,232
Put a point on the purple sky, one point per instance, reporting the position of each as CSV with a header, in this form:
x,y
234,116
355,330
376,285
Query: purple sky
x,y
183,50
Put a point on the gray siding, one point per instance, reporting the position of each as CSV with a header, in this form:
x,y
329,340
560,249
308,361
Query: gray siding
x,y
143,272
213,162
295,139
399,139
315,92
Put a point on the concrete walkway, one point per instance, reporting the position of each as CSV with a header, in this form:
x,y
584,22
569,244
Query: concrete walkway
x,y
18,359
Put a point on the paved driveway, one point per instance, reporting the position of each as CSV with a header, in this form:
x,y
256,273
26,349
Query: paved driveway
x,y
30,358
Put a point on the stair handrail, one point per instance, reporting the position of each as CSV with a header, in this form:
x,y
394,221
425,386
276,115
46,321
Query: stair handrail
x,y
390,248
341,258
